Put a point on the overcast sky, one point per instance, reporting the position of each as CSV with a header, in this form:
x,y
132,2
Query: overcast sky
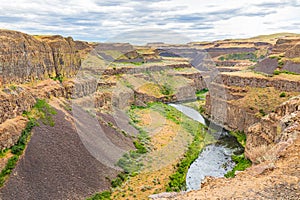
x,y
170,21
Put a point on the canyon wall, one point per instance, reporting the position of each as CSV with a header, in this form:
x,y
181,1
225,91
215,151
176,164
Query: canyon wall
x,y
24,58
263,132
268,138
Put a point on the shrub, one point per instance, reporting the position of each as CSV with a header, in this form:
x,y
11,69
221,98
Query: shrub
x,y
166,89
140,148
282,94
262,112
276,72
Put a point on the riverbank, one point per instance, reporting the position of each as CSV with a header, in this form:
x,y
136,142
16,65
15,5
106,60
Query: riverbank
x,y
175,142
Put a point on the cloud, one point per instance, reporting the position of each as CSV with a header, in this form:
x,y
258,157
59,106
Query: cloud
x,y
95,20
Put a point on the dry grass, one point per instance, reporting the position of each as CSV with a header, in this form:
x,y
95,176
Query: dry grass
x,y
151,89
266,99
166,137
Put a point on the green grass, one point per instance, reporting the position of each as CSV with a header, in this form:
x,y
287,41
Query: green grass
x,y
240,136
6,171
59,78
134,63
105,195
43,111
277,72
241,164
200,94
19,147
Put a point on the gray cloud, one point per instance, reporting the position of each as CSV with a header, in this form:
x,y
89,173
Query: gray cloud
x,y
98,20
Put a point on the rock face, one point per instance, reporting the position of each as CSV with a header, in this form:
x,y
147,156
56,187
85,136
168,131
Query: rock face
x,y
229,87
269,137
290,47
11,130
252,80
24,58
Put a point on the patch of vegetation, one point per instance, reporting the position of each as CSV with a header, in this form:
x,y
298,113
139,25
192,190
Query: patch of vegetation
x,y
3,152
240,136
13,87
43,111
58,77
140,147
275,57
117,182
105,195
134,63
262,112
240,56
200,94
280,63
241,164
277,72
19,147
283,94
6,171
166,89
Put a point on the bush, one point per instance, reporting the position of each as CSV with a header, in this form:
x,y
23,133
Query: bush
x,y
276,72
166,89
140,148
116,182
262,112
282,95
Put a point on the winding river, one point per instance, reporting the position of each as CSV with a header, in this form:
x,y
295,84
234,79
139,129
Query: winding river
x,y
215,159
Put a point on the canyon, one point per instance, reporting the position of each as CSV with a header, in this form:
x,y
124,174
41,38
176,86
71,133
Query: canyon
x,y
253,84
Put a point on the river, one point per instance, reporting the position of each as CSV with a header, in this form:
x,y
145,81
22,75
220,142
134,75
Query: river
x,y
215,159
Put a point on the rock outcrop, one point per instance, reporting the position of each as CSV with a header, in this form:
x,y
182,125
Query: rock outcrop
x,y
228,88
24,58
274,132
